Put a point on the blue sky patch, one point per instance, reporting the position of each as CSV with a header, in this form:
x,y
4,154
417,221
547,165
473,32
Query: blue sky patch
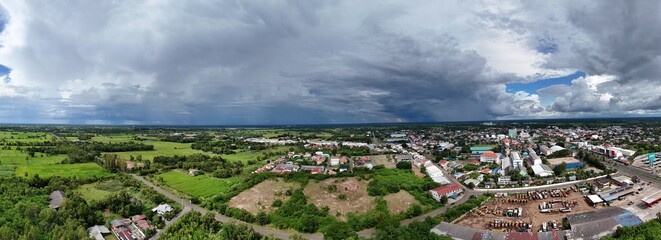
x,y
4,73
532,87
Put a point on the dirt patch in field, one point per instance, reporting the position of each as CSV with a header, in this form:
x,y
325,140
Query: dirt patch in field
x,y
330,191
386,160
400,201
416,171
262,195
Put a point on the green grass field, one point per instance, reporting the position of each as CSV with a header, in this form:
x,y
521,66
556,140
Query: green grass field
x,y
81,170
99,190
25,136
198,186
15,157
7,170
163,149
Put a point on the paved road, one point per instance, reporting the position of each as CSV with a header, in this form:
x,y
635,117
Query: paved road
x,y
169,223
259,229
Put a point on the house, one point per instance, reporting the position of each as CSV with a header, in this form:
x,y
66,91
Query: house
x,y
489,157
504,180
334,161
485,171
404,157
56,198
444,164
534,158
603,182
344,160
97,231
142,223
162,209
475,162
451,190
193,172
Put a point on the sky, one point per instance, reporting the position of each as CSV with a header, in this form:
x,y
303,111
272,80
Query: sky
x,y
317,62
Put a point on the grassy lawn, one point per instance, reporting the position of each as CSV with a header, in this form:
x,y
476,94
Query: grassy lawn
x,y
81,170
113,138
198,186
99,190
15,157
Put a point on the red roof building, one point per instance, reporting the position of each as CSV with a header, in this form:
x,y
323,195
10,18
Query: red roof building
x,y
448,190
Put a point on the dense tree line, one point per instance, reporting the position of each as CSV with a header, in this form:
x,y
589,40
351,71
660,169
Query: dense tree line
x,y
88,152
194,225
229,146
592,159
25,213
560,154
216,166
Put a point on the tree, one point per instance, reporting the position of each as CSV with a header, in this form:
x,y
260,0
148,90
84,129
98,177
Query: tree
x,y
560,169
471,185
339,230
276,203
404,165
444,199
262,218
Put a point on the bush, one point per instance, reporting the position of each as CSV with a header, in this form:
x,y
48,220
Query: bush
x,y
404,165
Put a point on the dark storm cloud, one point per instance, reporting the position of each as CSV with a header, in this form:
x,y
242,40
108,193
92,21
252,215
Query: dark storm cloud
x,y
278,62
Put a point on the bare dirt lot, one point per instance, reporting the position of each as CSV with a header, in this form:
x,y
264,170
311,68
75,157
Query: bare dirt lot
x,y
493,210
386,160
262,195
354,191
417,172
400,201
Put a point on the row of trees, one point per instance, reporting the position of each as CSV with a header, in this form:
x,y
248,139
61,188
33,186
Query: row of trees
x,y
194,225
216,166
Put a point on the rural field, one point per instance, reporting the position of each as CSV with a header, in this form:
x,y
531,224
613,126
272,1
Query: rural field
x,y
15,157
198,186
321,193
81,170
262,195
7,170
400,201
98,190
163,149
24,136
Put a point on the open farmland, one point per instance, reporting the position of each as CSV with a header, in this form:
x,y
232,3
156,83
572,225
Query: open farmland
x,y
163,149
400,201
15,157
80,170
197,186
7,170
322,193
24,137
262,195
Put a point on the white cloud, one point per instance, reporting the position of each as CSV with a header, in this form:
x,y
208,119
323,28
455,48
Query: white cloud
x,y
252,62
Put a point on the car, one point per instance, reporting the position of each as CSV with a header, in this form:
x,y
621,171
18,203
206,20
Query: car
x,y
640,189
631,203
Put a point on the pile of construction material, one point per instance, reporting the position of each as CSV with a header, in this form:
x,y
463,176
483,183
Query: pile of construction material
x,y
509,225
557,205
